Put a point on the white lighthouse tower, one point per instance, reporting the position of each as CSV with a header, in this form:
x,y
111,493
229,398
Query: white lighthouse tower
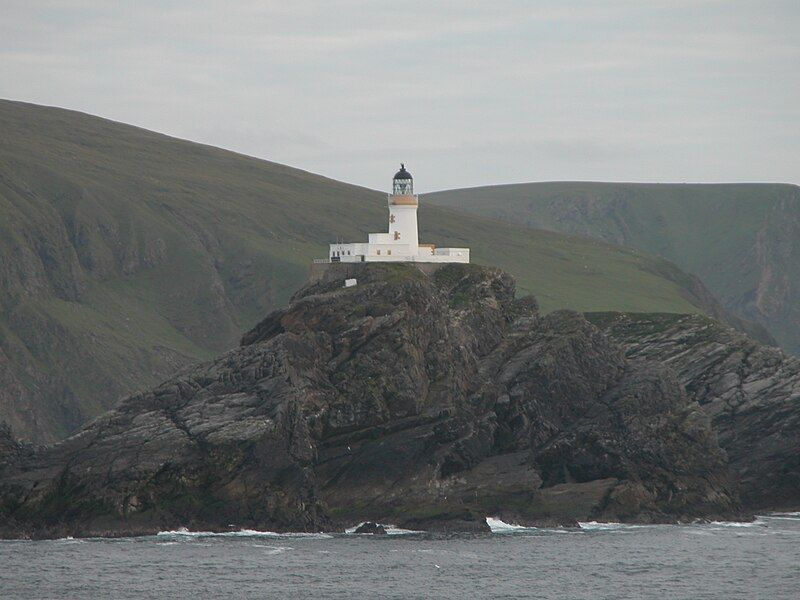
x,y
401,242
403,211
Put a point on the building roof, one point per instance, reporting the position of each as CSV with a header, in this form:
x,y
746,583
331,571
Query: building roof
x,y
402,173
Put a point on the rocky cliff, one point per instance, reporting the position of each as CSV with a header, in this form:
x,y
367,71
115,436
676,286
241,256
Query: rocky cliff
x,y
425,400
126,255
751,393
742,240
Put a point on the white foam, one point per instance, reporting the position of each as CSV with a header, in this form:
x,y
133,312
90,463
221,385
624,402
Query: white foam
x,y
786,515
390,529
184,532
778,518
609,526
596,526
498,526
755,523
615,526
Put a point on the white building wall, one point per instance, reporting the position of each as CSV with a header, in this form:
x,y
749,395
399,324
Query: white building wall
x,y
379,238
403,226
452,252
395,253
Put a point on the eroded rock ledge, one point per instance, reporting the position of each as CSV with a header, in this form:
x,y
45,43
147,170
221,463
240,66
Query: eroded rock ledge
x,y
750,391
427,400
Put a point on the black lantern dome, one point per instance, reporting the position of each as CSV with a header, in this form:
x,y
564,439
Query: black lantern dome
x,y
403,183
402,173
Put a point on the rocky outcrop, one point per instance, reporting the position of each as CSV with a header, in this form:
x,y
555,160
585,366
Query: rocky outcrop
x,y
371,528
750,392
426,400
119,264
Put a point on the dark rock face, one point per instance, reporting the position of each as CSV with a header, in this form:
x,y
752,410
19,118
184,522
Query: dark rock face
x,y
751,393
425,400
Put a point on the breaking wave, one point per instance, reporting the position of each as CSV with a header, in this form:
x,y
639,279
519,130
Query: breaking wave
x,y
609,526
756,523
498,526
390,529
183,532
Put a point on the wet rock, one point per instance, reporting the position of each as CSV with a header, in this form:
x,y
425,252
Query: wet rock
x,y
748,391
428,398
373,528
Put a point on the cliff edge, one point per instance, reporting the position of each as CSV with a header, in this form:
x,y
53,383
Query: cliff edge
x,y
426,400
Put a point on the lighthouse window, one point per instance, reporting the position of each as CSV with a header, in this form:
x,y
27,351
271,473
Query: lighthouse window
x,y
402,187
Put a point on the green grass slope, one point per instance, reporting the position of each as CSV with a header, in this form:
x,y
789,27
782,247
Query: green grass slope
x,y
742,240
125,254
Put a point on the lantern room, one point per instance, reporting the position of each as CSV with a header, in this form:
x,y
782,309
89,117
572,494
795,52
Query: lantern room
x,y
403,183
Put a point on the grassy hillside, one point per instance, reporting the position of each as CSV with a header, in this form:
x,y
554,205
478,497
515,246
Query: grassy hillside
x,y
742,240
125,254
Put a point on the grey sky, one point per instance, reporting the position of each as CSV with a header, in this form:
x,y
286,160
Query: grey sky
x,y
465,93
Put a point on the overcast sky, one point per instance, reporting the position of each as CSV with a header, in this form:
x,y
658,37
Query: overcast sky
x,y
465,93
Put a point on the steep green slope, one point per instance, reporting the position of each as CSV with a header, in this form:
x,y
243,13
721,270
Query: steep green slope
x,y
743,240
125,254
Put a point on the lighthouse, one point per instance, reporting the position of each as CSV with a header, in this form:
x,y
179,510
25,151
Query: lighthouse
x,y
401,242
403,206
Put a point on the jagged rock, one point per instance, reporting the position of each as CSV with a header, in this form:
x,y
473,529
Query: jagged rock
x,y
464,521
750,392
428,399
372,528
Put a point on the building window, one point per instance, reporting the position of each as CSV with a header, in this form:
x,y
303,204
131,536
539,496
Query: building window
x,y
348,253
389,252
379,252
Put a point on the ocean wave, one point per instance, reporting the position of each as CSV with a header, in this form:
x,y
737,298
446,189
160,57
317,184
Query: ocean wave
x,y
390,529
609,526
184,532
498,526
596,526
756,523
615,526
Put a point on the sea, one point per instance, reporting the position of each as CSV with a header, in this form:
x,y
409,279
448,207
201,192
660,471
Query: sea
x,y
758,560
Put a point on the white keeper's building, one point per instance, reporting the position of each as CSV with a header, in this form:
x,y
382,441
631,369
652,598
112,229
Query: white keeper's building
x,y
401,242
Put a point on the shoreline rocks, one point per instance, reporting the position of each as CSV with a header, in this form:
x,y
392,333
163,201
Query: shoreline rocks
x,y
425,399
371,528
